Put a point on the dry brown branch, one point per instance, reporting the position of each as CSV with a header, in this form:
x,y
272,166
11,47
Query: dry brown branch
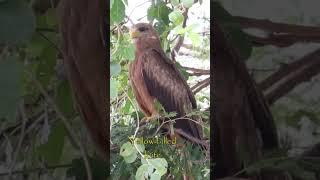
x,y
290,33
274,27
205,71
289,76
200,85
181,37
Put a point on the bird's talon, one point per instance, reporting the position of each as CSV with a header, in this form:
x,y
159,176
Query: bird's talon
x,y
149,118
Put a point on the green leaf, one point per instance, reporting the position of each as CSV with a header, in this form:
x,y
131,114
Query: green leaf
x,y
113,89
10,91
117,12
195,38
158,106
17,22
179,30
140,147
125,49
155,176
111,3
187,3
142,172
160,12
52,150
160,164
131,158
45,69
184,73
127,107
176,17
51,17
114,69
64,99
161,29
128,51
127,149
175,2
35,47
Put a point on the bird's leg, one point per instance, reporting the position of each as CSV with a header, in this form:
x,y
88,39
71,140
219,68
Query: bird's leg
x,y
154,115
152,110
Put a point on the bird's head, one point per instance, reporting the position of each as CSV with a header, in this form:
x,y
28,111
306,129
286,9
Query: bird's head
x,y
144,36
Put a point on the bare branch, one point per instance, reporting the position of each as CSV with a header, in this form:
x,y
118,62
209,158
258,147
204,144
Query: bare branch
x,y
274,27
65,122
283,40
289,76
280,34
196,71
181,37
200,85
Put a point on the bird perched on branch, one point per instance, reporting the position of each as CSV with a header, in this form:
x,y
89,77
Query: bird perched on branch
x,y
153,77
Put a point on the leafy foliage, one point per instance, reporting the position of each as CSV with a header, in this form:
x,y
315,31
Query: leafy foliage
x,y
31,130
133,160
30,54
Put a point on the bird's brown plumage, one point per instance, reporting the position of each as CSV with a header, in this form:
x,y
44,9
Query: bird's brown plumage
x,y
154,76
84,57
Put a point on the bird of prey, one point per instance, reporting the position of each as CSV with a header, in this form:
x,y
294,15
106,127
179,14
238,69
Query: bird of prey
x,y
153,76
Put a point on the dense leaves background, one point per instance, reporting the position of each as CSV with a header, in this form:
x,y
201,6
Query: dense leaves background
x,y
35,96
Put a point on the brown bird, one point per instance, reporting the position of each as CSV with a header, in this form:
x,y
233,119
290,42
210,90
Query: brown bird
x,y
153,77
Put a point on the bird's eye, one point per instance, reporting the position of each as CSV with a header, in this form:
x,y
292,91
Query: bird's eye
x,y
141,29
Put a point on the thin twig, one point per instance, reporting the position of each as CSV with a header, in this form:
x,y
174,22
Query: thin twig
x,y
173,120
181,37
137,7
196,69
136,111
24,121
52,43
205,83
65,122
201,83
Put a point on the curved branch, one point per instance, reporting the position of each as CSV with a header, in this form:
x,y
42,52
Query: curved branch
x,y
280,34
289,76
275,27
181,37
283,40
200,85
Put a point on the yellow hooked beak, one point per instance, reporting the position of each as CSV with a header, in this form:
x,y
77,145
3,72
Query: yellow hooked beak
x,y
134,34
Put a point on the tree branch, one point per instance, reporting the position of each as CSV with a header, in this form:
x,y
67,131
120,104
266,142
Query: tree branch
x,y
283,40
65,122
289,76
181,37
290,33
275,27
200,85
